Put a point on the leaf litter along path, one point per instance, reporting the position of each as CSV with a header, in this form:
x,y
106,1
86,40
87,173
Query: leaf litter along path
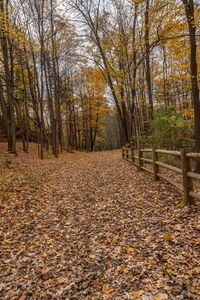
x,y
93,227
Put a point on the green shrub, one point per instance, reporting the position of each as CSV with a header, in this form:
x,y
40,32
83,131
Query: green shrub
x,y
170,130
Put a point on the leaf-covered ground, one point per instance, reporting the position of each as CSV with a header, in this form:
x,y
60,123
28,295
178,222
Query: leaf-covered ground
x,y
90,226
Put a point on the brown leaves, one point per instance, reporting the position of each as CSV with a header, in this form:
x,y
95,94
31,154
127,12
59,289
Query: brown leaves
x,y
95,228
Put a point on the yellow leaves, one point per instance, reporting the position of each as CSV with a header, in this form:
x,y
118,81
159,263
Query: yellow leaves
x,y
190,272
170,261
182,204
137,294
21,248
169,271
130,250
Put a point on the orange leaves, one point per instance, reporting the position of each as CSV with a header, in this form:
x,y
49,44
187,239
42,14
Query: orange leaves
x,y
189,112
112,241
137,1
94,83
137,294
168,237
107,290
183,67
125,270
44,271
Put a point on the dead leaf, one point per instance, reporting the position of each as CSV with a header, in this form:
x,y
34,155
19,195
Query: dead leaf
x,y
45,271
137,294
169,271
131,250
23,297
107,290
168,237
61,280
124,270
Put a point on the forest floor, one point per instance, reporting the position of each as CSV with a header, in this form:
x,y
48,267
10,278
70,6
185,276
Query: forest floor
x,y
90,226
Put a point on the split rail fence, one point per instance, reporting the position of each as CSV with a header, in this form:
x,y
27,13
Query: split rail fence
x,y
136,156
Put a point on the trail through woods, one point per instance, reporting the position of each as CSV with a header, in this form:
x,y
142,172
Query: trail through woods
x,y
90,226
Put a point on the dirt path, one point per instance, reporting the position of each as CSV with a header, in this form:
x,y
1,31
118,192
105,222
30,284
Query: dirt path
x,y
96,228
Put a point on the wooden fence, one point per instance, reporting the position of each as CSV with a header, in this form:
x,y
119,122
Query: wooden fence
x,y
136,156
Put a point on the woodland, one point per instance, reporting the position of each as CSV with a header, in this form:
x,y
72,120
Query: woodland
x,y
84,83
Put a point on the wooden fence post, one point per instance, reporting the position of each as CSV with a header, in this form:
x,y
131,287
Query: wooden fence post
x,y
187,181
139,157
132,154
126,153
155,166
123,153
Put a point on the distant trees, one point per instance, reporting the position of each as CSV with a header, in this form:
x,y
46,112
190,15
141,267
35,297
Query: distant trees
x,y
46,94
142,49
88,109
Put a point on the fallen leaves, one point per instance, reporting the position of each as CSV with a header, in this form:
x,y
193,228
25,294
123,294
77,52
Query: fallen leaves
x,y
125,270
93,227
161,297
169,271
61,280
39,226
137,294
107,290
131,250
168,237
44,271
112,241
23,297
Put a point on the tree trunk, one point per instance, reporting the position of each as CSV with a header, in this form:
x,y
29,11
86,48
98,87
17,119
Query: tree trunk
x,y
189,10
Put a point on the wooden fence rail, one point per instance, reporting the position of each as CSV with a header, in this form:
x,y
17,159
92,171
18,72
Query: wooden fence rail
x,y
136,156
